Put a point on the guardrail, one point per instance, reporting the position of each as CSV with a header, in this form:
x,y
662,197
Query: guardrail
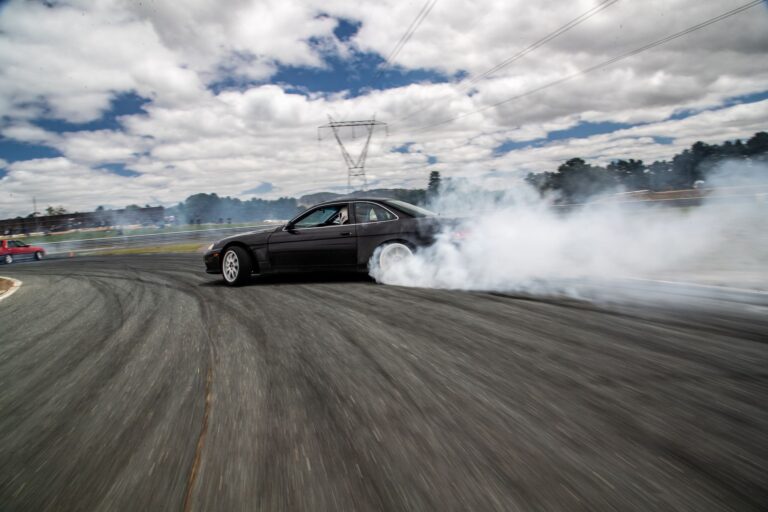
x,y
144,240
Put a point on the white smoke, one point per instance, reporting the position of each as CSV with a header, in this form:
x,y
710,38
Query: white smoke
x,y
518,242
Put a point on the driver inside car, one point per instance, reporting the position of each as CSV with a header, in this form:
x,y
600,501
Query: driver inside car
x,y
342,217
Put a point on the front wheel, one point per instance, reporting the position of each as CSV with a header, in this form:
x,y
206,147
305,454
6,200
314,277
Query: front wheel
x,y
393,254
38,255
236,266
8,259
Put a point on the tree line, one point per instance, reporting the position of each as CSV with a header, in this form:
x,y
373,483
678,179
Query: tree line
x,y
576,180
203,207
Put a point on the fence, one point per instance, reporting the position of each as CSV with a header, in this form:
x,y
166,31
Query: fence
x,y
143,240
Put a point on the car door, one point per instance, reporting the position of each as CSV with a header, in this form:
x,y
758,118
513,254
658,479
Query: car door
x,y
320,239
376,224
14,249
21,250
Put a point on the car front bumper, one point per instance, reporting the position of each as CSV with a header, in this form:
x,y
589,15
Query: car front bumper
x,y
212,261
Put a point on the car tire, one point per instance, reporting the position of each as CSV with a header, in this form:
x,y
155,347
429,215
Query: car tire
x,y
392,253
8,259
236,266
38,255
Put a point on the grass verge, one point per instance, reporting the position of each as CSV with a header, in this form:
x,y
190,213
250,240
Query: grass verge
x,y
190,248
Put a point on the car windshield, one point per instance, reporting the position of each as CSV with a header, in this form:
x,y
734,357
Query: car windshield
x,y
410,209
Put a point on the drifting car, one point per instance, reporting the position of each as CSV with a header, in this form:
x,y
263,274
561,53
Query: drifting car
x,y
12,250
340,235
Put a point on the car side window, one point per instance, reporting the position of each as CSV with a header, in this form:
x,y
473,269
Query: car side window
x,y
11,243
323,216
370,212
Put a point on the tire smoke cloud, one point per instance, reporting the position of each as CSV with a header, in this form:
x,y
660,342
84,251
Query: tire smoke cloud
x,y
518,241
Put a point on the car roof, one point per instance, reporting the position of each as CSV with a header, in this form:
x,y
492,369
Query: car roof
x,y
350,199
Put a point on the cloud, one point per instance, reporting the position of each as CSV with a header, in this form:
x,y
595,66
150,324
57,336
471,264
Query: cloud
x,y
70,62
58,181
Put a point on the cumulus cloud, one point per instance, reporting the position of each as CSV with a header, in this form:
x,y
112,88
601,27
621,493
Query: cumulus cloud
x,y
58,181
214,122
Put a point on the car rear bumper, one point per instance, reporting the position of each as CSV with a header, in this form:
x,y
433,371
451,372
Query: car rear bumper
x,y
212,261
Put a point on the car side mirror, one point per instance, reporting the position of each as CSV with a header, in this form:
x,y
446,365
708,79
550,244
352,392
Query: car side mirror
x,y
290,227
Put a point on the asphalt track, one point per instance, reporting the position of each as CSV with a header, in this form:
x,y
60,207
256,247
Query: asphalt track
x,y
141,383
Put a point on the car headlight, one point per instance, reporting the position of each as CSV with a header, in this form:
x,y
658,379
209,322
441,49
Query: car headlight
x,y
211,246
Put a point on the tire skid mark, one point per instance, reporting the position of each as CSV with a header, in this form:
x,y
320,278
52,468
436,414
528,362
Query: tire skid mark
x,y
104,374
491,457
329,400
111,300
194,470
647,343
77,355
295,358
203,306
601,403
325,393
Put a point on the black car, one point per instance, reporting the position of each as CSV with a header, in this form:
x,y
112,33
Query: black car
x,y
341,235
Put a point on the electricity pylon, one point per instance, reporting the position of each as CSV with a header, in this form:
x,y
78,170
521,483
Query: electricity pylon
x,y
355,168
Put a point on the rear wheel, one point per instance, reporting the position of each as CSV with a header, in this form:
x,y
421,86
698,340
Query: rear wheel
x,y
8,259
236,266
38,255
392,254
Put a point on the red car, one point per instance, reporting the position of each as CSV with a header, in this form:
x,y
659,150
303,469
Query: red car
x,y
11,250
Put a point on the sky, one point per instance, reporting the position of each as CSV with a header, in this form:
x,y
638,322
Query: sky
x,y
106,102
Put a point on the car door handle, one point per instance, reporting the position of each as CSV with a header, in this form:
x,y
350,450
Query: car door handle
x,y
346,233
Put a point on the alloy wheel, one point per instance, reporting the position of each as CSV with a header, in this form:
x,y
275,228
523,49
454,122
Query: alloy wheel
x,y
231,266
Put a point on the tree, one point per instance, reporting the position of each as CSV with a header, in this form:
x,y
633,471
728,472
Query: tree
x,y
204,207
434,184
685,169
660,175
59,210
632,174
577,180
542,181
758,144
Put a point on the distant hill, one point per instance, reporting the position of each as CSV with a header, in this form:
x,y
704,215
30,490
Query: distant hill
x,y
415,196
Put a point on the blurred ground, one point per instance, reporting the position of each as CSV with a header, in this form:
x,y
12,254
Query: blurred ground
x,y
141,383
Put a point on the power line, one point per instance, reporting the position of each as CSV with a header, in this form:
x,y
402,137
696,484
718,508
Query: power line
x,y
589,13
601,65
544,40
425,10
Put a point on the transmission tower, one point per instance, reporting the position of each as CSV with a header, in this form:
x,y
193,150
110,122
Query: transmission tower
x,y
355,168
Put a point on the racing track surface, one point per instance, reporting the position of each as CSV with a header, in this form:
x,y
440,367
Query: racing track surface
x,y
142,384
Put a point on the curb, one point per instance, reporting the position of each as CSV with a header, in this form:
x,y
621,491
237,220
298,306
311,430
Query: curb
x,y
15,286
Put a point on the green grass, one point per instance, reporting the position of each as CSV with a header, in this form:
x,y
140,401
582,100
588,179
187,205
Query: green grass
x,y
195,247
